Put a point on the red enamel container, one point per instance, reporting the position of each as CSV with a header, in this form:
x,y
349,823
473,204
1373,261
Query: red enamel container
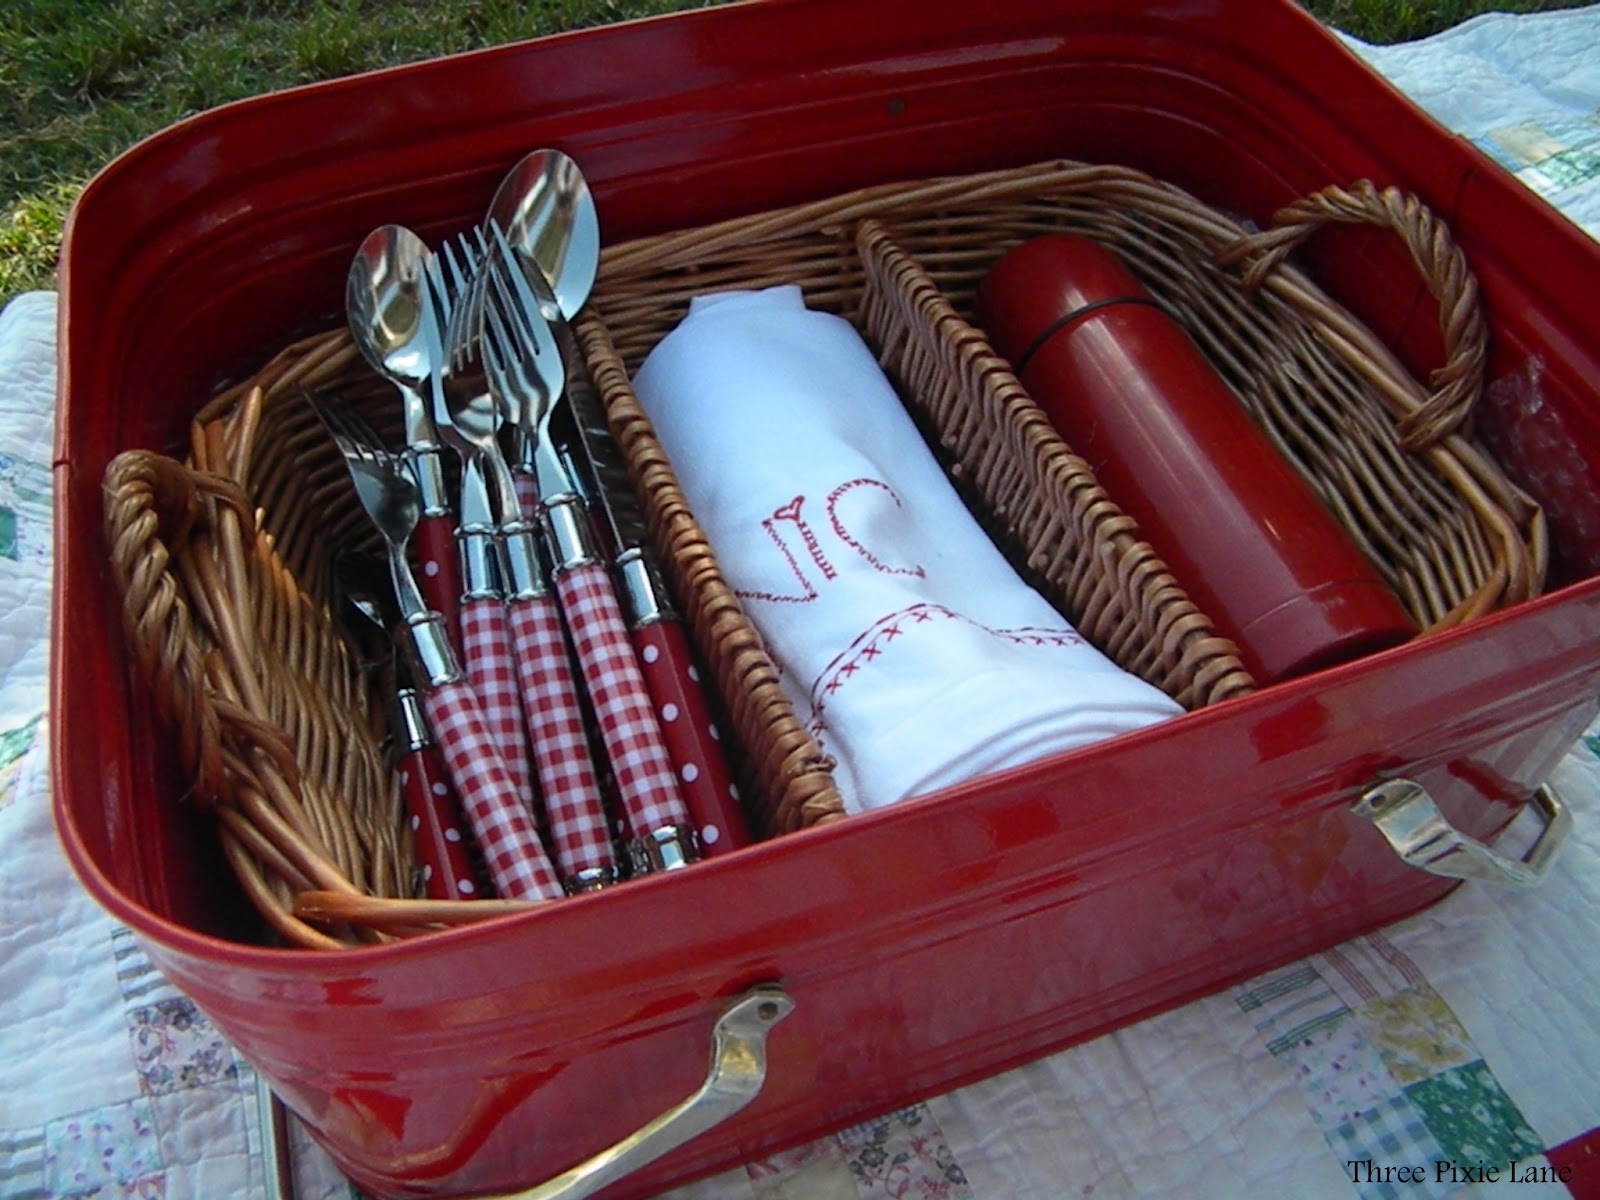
x,y
1243,533
1107,883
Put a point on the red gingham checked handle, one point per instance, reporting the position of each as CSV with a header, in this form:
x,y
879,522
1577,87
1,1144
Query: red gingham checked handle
x,y
691,736
436,826
629,728
528,497
553,708
499,815
488,661
438,573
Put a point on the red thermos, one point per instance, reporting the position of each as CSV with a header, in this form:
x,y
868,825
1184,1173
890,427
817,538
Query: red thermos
x,y
1243,533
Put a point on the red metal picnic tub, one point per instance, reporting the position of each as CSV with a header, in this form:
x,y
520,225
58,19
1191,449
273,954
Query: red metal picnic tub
x,y
920,946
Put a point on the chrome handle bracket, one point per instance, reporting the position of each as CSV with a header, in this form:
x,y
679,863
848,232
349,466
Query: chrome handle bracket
x,y
1406,815
738,1070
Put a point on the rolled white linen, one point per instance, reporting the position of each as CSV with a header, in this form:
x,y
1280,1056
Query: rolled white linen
x,y
905,640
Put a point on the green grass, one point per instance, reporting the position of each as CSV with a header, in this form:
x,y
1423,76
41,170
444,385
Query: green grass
x,y
1406,20
81,80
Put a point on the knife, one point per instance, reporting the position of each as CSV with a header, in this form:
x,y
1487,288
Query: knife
x,y
485,630
671,675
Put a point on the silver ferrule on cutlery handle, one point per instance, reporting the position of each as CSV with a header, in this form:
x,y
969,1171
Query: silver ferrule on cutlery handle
x,y
425,461
427,645
665,848
522,457
407,724
525,578
477,541
480,562
566,527
591,879
643,595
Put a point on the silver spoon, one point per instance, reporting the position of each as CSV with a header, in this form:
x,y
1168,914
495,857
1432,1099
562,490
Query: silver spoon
x,y
386,304
393,323
545,209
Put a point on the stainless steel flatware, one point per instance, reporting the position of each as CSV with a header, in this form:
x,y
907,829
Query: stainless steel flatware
x,y
393,327
549,218
524,368
545,209
466,422
499,816
550,704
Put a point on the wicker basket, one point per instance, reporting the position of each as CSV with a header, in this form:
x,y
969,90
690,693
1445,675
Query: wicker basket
x,y
229,572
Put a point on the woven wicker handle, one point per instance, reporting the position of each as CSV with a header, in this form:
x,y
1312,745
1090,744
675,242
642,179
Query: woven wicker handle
x,y
1456,385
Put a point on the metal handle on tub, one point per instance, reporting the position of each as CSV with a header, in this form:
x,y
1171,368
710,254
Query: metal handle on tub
x,y
738,1069
1413,825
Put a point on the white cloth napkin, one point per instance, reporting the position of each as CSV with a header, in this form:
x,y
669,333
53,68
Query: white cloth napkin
x,y
905,640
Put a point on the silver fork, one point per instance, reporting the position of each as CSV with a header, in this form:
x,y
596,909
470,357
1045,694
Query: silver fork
x,y
533,373
550,701
524,367
472,413
387,493
500,820
493,562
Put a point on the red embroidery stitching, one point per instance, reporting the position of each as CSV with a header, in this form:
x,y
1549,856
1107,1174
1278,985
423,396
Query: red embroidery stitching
x,y
869,644
845,536
790,511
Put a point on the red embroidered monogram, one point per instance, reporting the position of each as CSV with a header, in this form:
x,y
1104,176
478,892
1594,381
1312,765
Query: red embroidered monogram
x,y
792,513
850,540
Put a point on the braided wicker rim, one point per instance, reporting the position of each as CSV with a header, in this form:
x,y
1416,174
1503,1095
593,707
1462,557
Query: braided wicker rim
x,y
227,562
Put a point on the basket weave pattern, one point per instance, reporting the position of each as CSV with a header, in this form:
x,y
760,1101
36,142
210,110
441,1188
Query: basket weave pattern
x,y
229,561
228,617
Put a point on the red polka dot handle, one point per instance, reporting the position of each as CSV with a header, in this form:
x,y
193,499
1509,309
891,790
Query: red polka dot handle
x,y
691,735
435,820
438,573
